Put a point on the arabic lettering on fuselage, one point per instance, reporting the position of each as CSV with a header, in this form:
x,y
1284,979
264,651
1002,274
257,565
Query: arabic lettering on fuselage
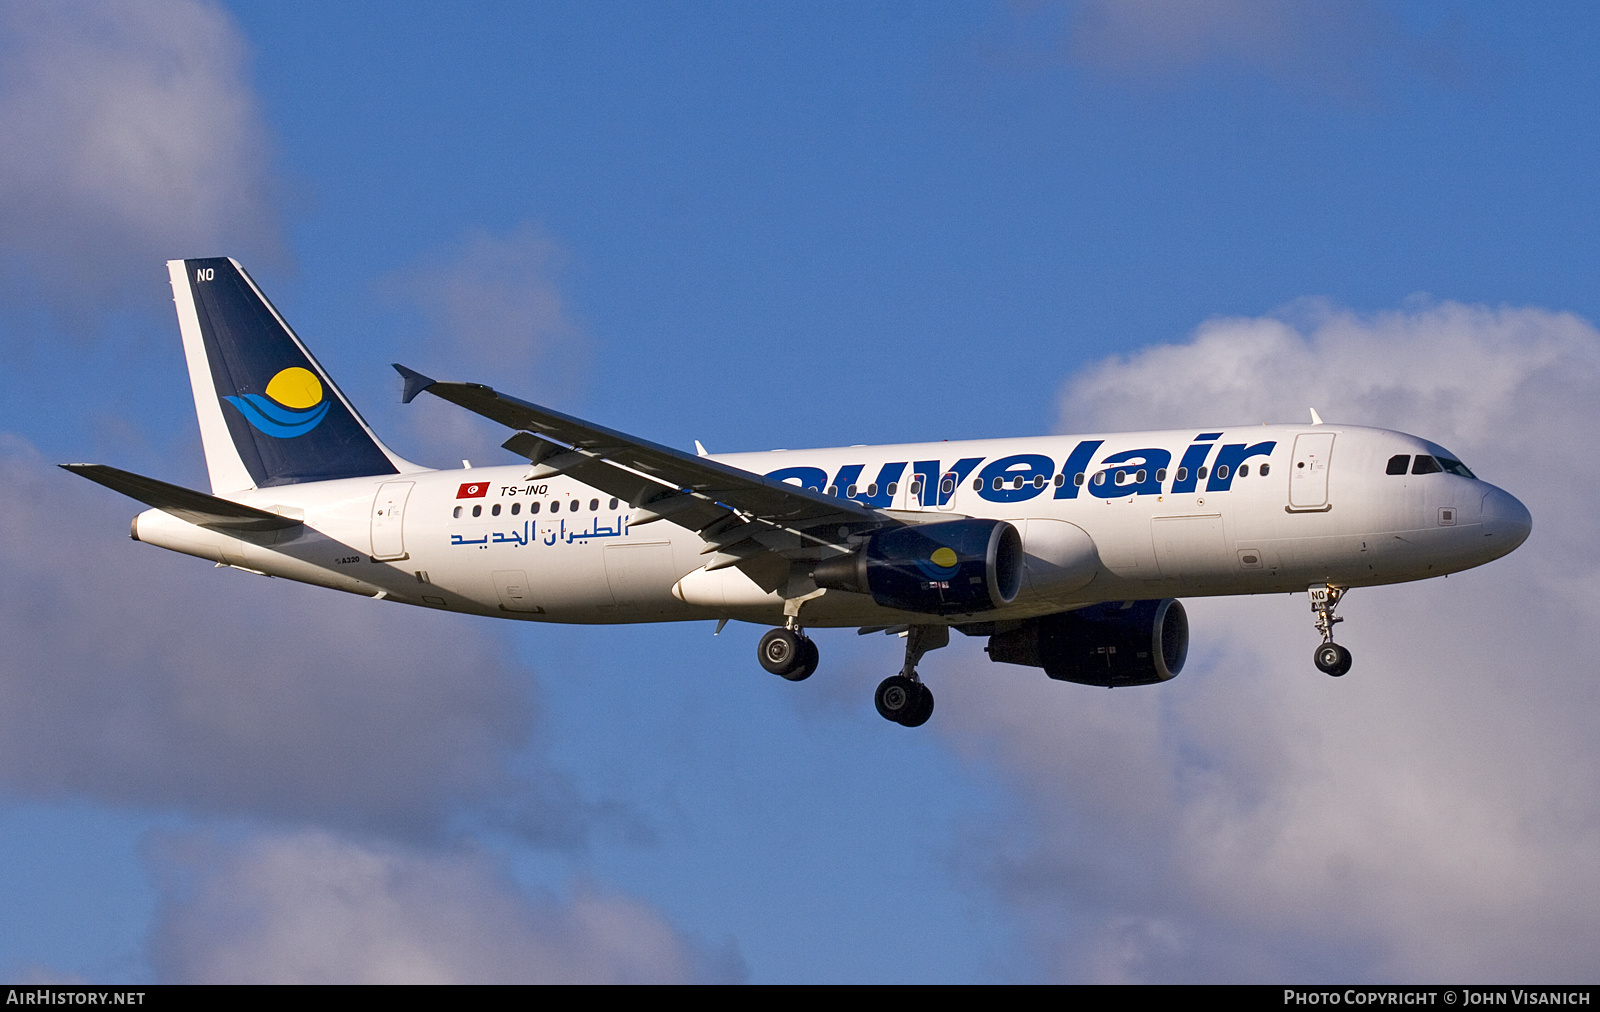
x,y
551,532
1022,476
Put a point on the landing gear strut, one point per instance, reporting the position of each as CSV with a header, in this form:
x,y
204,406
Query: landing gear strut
x,y
1330,657
903,698
789,653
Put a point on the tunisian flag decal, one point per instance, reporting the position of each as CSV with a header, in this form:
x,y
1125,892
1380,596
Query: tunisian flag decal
x,y
473,490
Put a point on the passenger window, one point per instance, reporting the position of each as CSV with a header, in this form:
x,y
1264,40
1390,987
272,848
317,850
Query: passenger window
x,y
495,509
1138,479
872,490
613,504
1077,479
457,513
594,505
477,511
947,487
1398,464
1222,472
516,508
1264,469
1183,474
1201,474
977,484
533,507
1161,474
1244,470
1425,465
1038,481
833,490
894,488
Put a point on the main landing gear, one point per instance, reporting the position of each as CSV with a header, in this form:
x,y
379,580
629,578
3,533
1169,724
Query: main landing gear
x,y
903,698
788,652
1330,657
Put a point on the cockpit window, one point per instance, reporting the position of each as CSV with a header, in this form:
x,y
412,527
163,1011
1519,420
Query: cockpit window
x,y
1456,467
1425,465
1398,463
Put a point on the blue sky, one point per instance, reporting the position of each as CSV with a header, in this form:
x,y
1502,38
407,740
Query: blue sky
x,y
818,225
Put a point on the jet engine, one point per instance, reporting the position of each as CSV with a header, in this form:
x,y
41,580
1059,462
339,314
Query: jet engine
x,y
957,567
1112,644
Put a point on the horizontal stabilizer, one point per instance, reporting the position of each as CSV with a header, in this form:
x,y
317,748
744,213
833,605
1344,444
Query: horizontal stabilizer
x,y
185,504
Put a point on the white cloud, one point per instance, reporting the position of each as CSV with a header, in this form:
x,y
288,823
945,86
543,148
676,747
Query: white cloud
x,y
1134,34
134,676
494,314
1431,816
1349,50
315,908
131,136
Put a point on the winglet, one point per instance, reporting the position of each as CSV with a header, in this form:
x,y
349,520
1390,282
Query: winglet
x,y
1316,419
700,450
415,382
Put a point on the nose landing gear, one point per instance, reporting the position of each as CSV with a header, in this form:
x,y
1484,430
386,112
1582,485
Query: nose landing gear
x,y
1330,657
903,698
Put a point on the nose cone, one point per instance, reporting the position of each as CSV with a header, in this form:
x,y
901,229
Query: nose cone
x,y
1506,522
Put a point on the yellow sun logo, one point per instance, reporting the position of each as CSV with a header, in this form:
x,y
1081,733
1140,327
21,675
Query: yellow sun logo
x,y
295,387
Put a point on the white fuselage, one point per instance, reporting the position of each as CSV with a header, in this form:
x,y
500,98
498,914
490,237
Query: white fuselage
x,y
1280,508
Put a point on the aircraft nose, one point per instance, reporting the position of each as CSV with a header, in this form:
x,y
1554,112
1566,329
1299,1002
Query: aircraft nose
x,y
1505,519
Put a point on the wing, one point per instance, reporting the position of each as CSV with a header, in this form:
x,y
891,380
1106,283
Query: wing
x,y
740,514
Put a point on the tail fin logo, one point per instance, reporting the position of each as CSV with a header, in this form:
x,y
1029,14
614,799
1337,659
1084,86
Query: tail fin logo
x,y
292,406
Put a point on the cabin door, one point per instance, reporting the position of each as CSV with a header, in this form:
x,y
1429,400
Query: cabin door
x,y
388,520
1308,472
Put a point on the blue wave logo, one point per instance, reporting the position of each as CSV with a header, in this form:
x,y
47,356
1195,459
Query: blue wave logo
x,y
292,406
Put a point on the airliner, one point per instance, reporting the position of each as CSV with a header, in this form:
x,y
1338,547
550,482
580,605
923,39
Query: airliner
x,y
1068,553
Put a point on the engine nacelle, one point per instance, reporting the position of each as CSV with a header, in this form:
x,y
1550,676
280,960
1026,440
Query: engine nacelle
x,y
1119,643
958,567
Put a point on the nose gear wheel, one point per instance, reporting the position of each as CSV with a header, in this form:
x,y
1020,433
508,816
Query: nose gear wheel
x,y
1332,659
